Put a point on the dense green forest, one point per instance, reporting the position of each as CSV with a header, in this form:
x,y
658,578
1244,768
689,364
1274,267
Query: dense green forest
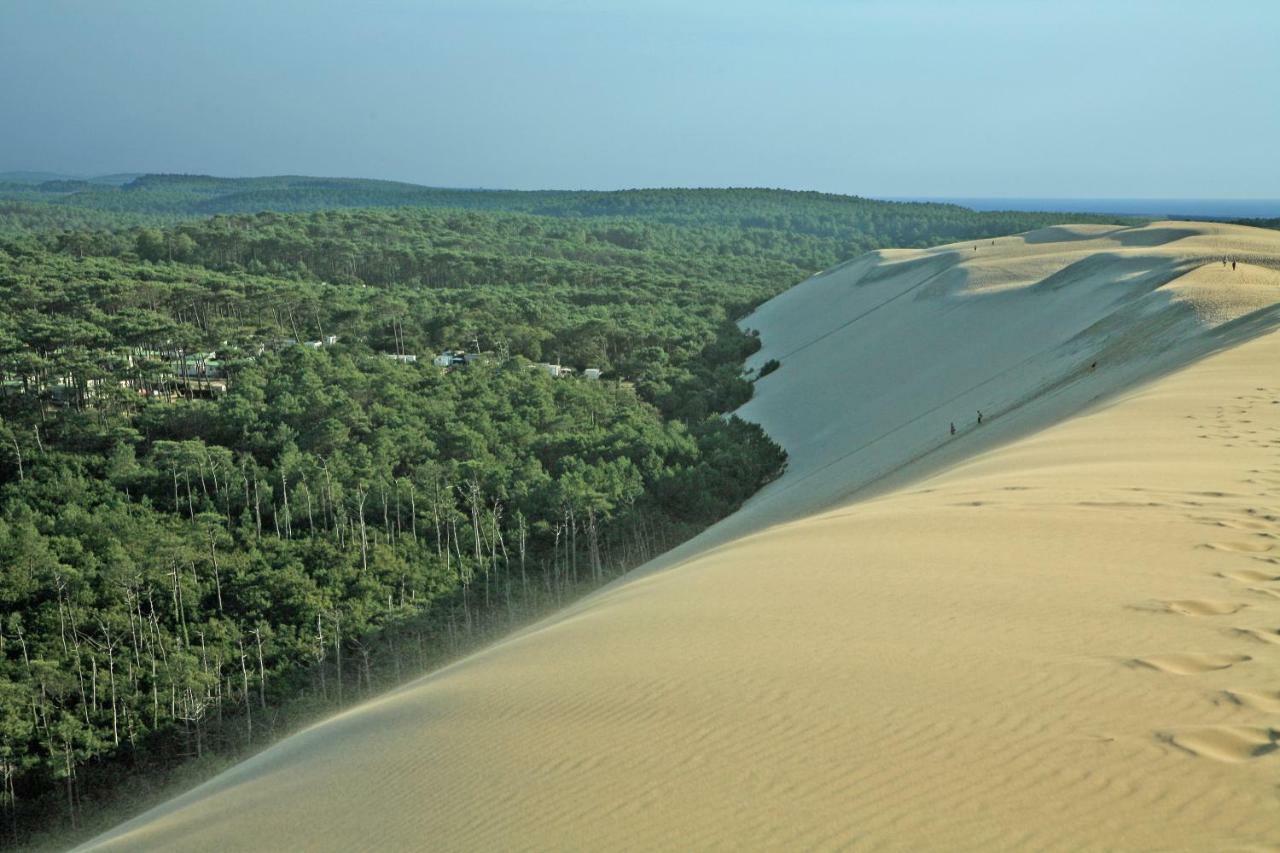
x,y
847,225
236,492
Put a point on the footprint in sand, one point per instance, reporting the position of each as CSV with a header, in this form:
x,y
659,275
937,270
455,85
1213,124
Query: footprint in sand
x,y
1250,576
1254,700
1188,664
1232,744
1231,524
1203,607
1262,635
1240,547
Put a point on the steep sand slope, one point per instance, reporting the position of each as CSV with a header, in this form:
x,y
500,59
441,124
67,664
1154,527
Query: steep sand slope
x,y
1069,641
881,354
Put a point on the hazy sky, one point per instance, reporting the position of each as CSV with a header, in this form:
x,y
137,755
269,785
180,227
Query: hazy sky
x,y
912,97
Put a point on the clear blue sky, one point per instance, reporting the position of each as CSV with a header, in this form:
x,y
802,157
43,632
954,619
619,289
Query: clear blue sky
x,y
1154,98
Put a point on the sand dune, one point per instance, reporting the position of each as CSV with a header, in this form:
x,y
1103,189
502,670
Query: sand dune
x,y
1049,631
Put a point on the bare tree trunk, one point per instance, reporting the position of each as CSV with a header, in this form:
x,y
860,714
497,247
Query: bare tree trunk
x,y
257,504
262,672
413,513
435,514
361,494
320,655
111,674
217,579
386,519
524,579
288,520
69,769
597,571
248,706
337,650
311,522
473,500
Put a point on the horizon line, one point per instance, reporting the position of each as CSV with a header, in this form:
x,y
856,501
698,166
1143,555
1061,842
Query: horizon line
x,y
482,188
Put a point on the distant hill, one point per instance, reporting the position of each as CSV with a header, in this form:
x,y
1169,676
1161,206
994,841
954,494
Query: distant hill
x,y
166,199
1261,223
33,178
116,179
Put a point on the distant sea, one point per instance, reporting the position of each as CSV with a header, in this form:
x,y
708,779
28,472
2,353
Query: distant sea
x,y
1173,208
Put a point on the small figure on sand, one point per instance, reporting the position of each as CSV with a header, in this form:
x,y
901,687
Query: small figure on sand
x,y
1233,264
953,427
1093,366
979,415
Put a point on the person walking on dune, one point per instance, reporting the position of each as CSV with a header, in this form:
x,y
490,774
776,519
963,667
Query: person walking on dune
x,y
979,415
1233,264
953,427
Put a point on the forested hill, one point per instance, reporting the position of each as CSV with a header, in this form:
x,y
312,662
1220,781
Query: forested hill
x,y
857,224
204,467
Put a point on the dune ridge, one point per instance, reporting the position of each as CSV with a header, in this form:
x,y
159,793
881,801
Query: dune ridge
x,y
1048,631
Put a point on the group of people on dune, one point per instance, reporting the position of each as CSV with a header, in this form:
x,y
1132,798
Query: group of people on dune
x,y
1092,367
953,423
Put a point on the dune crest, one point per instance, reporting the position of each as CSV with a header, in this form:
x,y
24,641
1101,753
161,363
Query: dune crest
x,y
912,640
